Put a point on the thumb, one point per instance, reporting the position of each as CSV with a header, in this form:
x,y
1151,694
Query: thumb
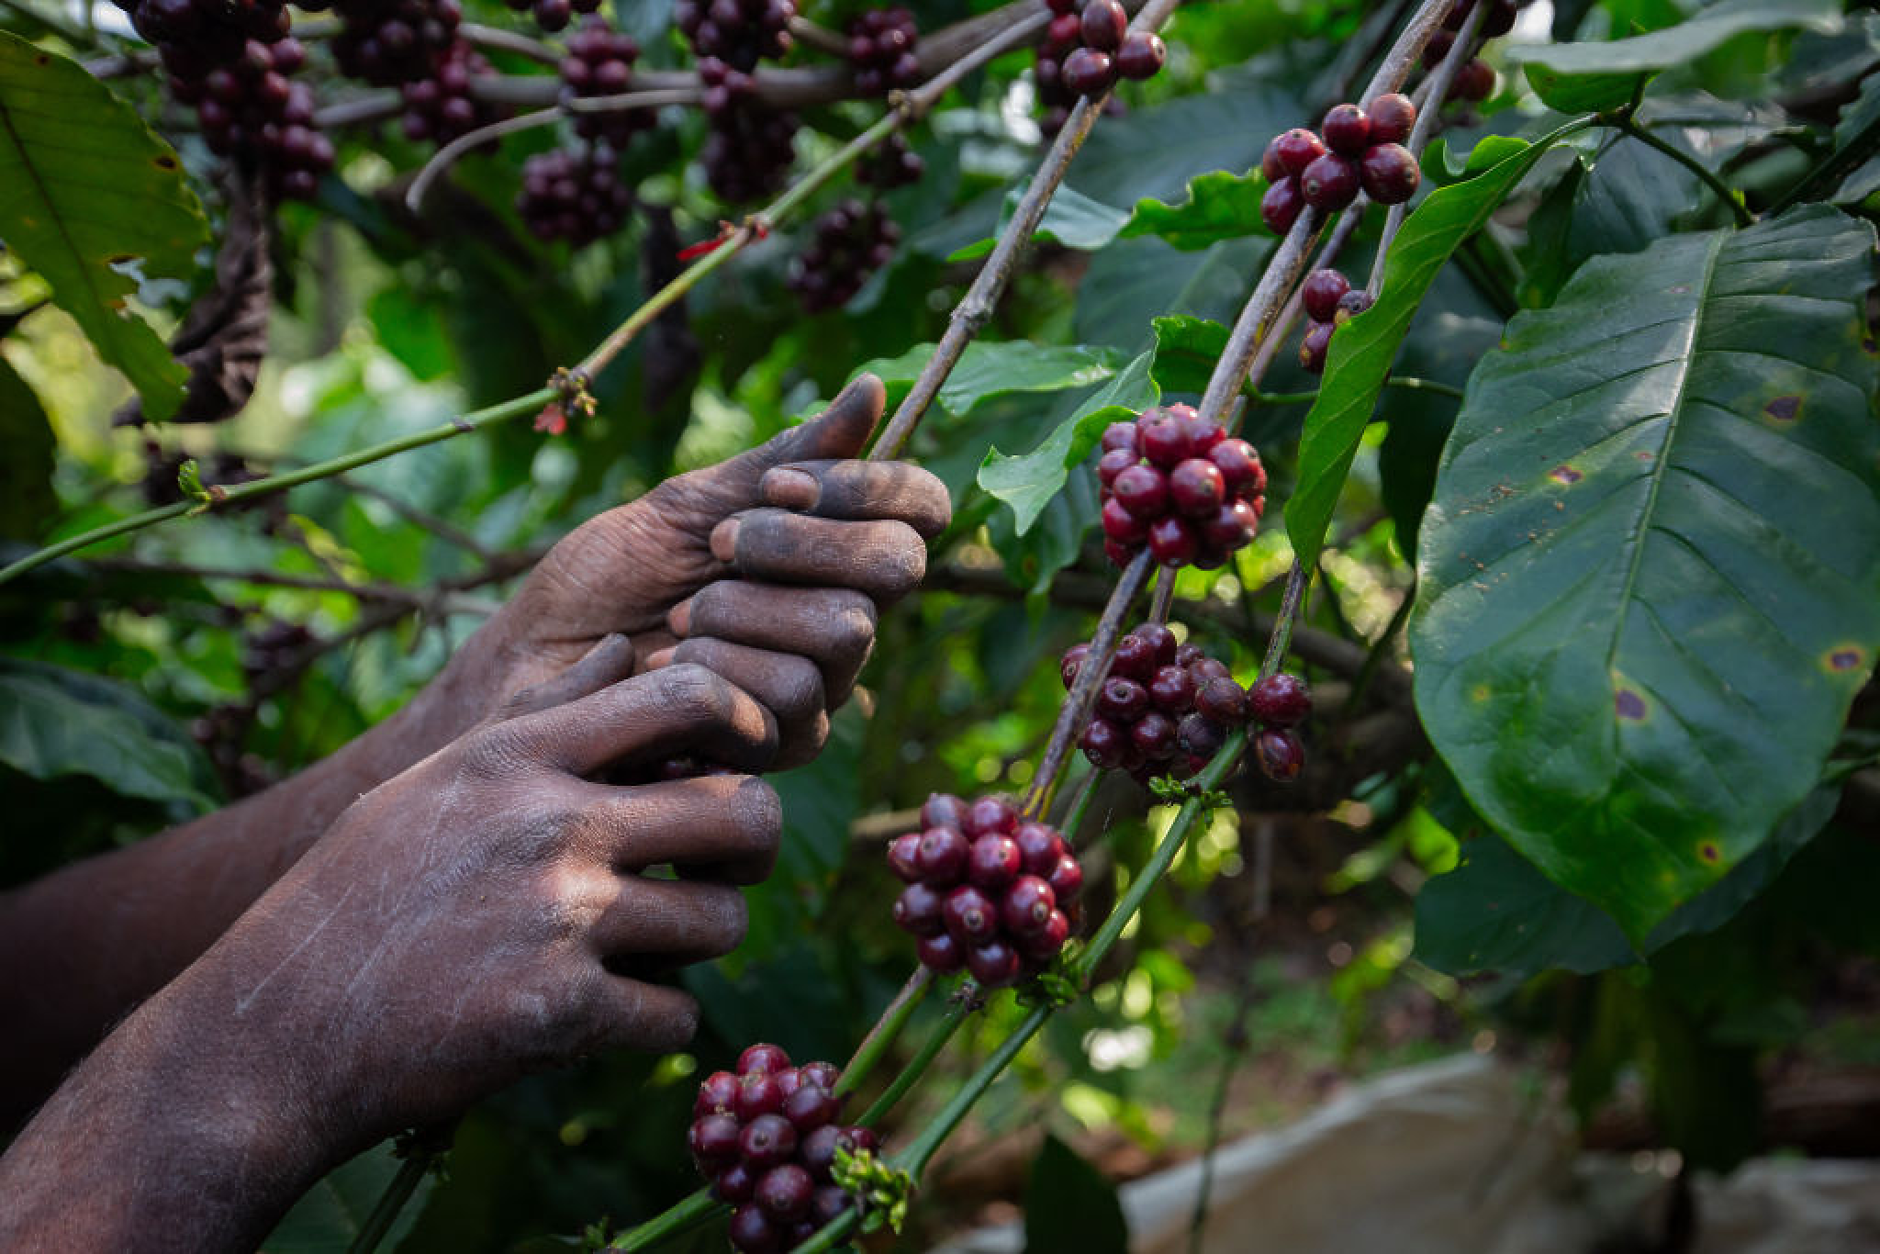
x,y
838,432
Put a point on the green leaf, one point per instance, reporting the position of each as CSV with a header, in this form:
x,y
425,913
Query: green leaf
x,y
55,722
1071,219
1186,352
27,501
995,368
1070,1208
86,193
1497,912
1029,481
1601,74
1646,584
1362,350
1219,206
329,1216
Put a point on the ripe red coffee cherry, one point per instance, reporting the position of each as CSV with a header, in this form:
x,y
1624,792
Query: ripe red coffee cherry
x,y
751,1232
1320,292
969,916
1329,183
1298,148
1172,541
717,1094
1280,207
1474,81
1063,34
1135,658
994,861
941,856
901,858
1189,654
1044,944
821,1074
1164,439
1114,463
1280,754
1104,22
1346,129
1171,689
1437,48
1072,662
1280,700
1122,700
917,910
758,1094
735,1184
714,1139
1200,736
1240,466
1389,174
1105,744
1040,846
994,964
1141,56
943,810
1119,435
1313,348
1027,905
1154,735
1270,163
1197,487
1067,879
762,1058
1233,526
1222,701
1392,117
1142,490
941,953
1088,72
784,1193
810,1107
788,1080
1160,638
1120,525
991,814
767,1141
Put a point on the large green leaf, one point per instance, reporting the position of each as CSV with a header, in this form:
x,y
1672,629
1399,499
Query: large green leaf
x,y
1220,205
1071,219
1028,482
1648,582
1069,1207
1362,349
27,501
1186,353
329,1217
86,193
1599,75
995,368
56,722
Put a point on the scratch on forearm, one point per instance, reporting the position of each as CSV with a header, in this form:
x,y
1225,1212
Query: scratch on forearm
x,y
242,1006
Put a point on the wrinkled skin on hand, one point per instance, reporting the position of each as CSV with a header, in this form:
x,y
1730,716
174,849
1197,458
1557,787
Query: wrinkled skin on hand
x,y
770,568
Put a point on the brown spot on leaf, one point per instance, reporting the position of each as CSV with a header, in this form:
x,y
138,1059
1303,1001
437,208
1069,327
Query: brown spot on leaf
x,y
1845,658
164,161
1709,852
1565,474
1628,704
122,259
42,59
1644,455
1784,408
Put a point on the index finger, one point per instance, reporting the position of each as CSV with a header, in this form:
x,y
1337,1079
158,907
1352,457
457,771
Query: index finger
x,y
861,490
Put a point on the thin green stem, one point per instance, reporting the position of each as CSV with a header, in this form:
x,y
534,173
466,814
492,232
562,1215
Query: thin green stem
x,y
915,1157
385,1213
886,1028
1625,123
1282,628
695,1210
476,421
965,1000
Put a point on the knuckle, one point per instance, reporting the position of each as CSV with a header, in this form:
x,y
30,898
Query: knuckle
x,y
759,815
852,626
499,751
799,688
903,562
697,692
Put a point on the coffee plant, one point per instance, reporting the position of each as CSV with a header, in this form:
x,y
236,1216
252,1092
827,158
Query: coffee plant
x,y
1470,405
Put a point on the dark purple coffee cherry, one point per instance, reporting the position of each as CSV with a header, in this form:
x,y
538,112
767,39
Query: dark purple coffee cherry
x,y
1103,24
1105,743
1027,905
941,953
817,1151
1172,541
1500,18
917,910
1280,755
1474,81
750,1232
1172,690
1389,174
1204,668
1164,439
822,1074
1135,659
1154,735
1071,663
1067,879
994,964
991,815
1120,525
1280,207
969,916
994,861
1043,945
1280,700
1320,292
767,1141
714,1140
784,1193
1297,149
901,857
1233,526
1329,183
943,810
1159,638
1353,303
1222,701
1197,487
1240,466
1120,436
1122,700
1347,130
1314,346
735,1184
1199,736
758,1094
717,1094
788,1081
1040,846
1437,49
810,1107
1088,73
1141,56
827,1205
1392,117
941,856
1142,490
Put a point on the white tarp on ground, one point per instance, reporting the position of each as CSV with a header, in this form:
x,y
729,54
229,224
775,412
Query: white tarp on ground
x,y
1466,1155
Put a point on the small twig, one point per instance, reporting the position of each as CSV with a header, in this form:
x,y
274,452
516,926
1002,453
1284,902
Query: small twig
x,y
821,38
481,36
1283,627
391,593
1623,121
886,1028
448,155
443,529
1164,597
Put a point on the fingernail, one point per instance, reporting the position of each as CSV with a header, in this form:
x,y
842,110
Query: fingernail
x,y
725,540
660,657
789,488
679,617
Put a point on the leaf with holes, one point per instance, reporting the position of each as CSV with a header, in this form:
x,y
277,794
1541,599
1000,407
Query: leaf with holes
x,y
87,193
1363,348
1647,581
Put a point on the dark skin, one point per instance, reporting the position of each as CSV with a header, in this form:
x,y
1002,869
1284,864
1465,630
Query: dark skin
x,y
457,897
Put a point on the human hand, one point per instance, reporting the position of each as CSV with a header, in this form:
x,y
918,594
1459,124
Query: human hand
x,y
771,567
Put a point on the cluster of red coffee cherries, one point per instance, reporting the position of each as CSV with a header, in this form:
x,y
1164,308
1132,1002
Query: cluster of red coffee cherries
x,y
600,63
1354,148
881,48
1476,79
1179,485
985,891
1329,299
1085,50
766,1137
